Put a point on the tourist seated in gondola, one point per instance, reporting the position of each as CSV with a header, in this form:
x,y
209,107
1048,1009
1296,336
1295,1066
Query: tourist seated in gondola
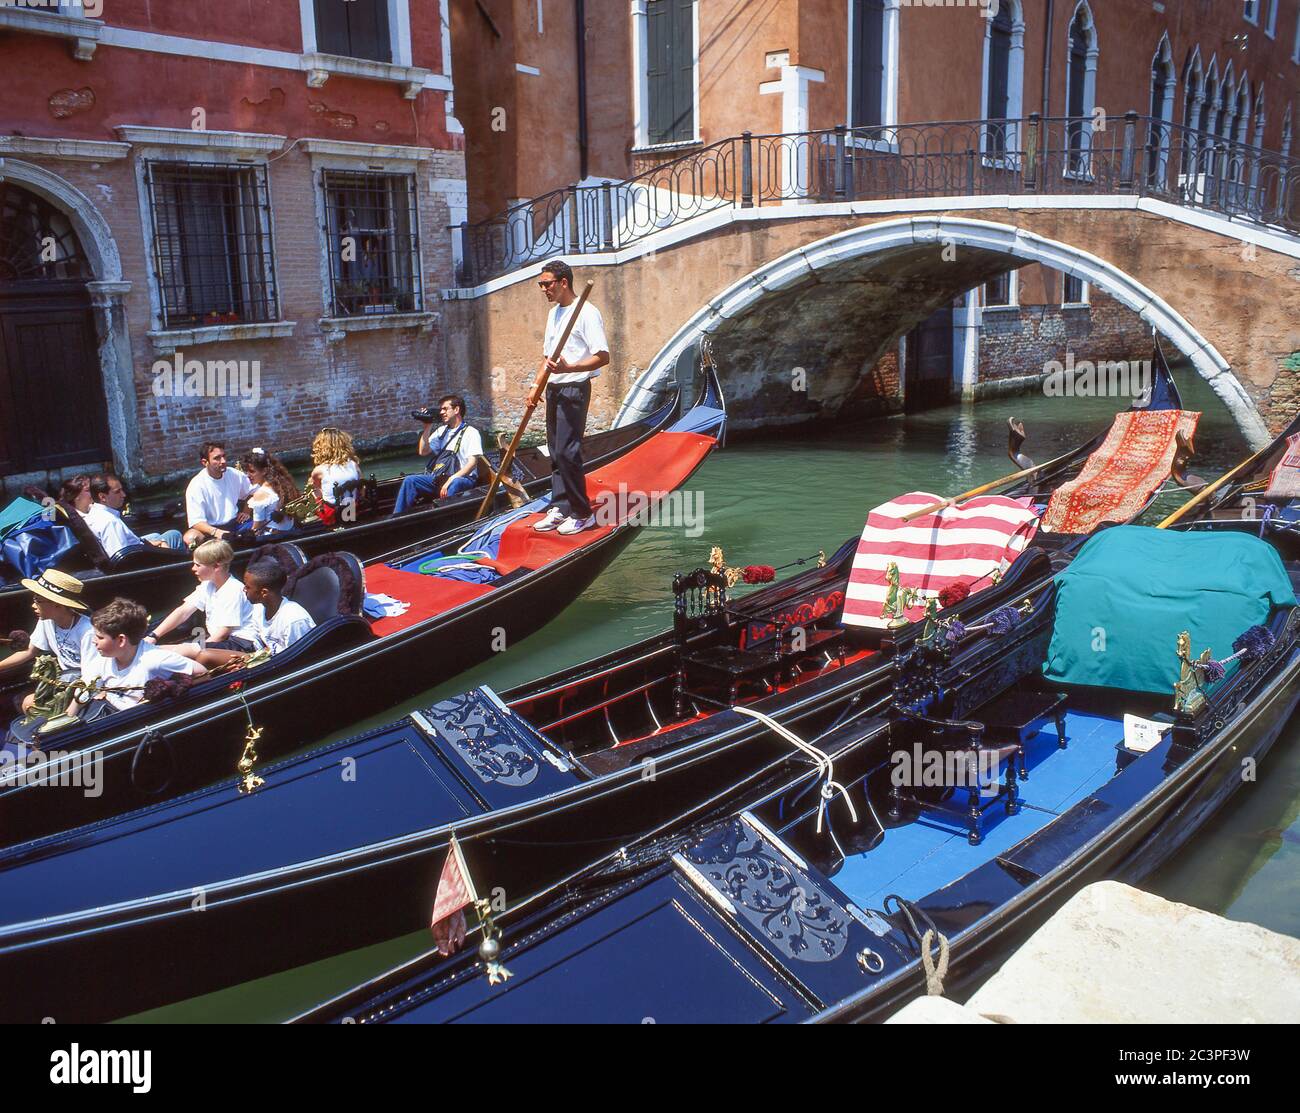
x,y
74,494
214,499
227,613
123,663
62,630
104,517
276,623
453,449
335,477
273,490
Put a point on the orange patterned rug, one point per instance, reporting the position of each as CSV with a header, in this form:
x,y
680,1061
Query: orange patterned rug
x,y
1123,473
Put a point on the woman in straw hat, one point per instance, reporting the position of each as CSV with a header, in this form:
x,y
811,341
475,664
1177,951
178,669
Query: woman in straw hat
x,y
63,628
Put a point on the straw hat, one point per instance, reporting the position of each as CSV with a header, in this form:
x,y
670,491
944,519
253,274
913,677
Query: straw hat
x,y
58,587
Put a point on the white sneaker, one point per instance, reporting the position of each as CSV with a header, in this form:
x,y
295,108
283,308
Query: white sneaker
x,y
553,518
576,525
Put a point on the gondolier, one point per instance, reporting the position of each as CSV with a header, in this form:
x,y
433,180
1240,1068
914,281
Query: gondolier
x,y
568,395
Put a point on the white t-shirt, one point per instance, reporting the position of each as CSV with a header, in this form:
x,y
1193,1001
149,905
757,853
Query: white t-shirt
x,y
215,501
470,445
224,606
265,505
107,525
286,626
332,475
70,647
150,661
586,339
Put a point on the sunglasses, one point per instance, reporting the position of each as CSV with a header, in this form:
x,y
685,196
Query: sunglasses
x,y
548,285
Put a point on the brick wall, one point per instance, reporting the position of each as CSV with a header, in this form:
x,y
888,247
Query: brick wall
x,y
365,382
1020,341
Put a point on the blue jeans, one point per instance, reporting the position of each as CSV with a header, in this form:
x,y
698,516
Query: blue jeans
x,y
415,485
172,537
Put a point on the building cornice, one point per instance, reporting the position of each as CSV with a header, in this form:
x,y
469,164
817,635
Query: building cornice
x,y
73,150
342,148
82,34
244,141
319,67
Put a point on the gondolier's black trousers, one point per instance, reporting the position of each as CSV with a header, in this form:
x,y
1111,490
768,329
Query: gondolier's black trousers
x,y
566,421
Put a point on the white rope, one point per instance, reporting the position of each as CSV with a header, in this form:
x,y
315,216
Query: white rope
x,y
825,767
934,976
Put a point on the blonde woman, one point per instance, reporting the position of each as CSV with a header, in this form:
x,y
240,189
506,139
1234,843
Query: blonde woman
x,y
335,466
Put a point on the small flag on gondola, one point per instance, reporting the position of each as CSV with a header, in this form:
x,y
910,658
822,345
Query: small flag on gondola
x,y
455,894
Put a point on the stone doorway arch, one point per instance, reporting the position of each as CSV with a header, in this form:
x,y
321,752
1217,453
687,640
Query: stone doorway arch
x,y
66,364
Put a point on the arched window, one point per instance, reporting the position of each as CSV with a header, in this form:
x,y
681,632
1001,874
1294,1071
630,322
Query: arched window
x,y
1163,82
37,241
1004,76
1193,99
1081,88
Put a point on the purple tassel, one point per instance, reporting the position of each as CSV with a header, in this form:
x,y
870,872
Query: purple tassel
x,y
1213,672
19,639
1253,643
955,632
160,688
1004,620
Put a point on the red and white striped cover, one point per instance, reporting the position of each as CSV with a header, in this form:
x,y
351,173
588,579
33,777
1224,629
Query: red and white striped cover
x,y
960,544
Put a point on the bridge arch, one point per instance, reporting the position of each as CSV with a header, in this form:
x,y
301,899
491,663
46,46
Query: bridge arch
x,y
918,243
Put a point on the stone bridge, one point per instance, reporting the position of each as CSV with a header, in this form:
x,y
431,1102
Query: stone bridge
x,y
830,285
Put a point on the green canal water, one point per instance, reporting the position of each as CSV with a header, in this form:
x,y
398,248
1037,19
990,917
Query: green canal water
x,y
774,499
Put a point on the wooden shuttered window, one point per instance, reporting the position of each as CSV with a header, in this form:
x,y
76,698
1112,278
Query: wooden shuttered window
x,y
868,63
354,29
671,77
999,80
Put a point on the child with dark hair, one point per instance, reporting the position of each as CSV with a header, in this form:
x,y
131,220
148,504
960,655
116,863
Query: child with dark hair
x,y
277,622
124,664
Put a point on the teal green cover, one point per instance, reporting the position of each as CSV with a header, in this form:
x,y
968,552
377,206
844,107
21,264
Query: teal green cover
x,y
17,513
1125,598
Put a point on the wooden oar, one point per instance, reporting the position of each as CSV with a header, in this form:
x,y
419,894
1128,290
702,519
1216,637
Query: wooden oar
x,y
539,385
936,507
1206,492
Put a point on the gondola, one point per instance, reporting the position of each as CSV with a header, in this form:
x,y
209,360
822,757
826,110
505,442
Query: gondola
x,y
350,666
157,578
792,909
605,748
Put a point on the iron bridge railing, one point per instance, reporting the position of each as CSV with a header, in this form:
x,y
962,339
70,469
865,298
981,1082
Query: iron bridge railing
x,y
1128,155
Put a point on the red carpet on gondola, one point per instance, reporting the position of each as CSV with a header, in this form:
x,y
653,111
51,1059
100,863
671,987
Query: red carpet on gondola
x,y
650,470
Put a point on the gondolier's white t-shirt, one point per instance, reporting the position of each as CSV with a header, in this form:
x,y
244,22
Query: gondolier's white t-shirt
x,y
215,501
224,607
70,647
150,661
586,339
285,627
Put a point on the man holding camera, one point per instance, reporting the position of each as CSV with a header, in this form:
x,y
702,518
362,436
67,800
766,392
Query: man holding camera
x,y
454,447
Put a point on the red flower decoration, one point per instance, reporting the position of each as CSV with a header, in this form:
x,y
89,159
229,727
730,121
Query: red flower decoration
x,y
759,574
236,686
953,594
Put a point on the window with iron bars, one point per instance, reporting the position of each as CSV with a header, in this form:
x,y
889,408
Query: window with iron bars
x,y
373,240
213,258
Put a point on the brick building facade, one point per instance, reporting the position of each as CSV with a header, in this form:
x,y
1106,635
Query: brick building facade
x,y
229,222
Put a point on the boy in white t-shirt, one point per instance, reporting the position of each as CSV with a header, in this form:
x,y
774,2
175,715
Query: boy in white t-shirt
x,y
122,664
277,622
227,613
62,631
214,499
